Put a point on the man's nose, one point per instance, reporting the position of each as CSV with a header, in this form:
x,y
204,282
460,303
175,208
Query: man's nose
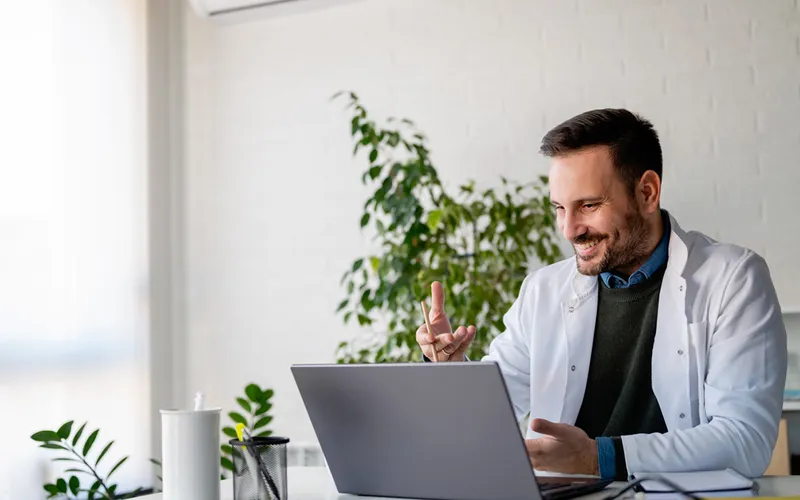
x,y
572,226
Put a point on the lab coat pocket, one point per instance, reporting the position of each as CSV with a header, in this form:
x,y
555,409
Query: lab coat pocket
x,y
698,363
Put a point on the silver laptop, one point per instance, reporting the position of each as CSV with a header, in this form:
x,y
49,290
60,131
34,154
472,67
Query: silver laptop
x,y
423,430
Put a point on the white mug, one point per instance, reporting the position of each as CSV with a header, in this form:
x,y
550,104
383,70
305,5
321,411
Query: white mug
x,y
190,454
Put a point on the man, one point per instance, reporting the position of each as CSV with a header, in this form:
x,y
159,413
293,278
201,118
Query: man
x,y
655,349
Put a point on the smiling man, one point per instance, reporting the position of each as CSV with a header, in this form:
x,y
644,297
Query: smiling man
x,y
655,349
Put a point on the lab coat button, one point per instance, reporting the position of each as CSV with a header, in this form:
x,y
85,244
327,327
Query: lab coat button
x,y
680,352
681,288
571,309
573,368
682,415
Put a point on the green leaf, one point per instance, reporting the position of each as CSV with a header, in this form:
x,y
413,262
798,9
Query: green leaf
x,y
61,485
364,320
433,219
374,172
366,301
238,418
365,220
357,264
264,408
268,394
66,459
226,463
102,453
65,430
113,469
342,305
78,470
226,448
262,422
44,436
53,446
253,393
78,434
244,404
374,262
52,489
74,484
264,434
89,442
94,488
230,432
112,489
373,155
155,462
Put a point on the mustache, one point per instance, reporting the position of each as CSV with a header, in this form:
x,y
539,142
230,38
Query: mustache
x,y
587,238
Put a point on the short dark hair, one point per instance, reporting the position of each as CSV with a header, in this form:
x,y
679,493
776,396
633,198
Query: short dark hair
x,y
631,140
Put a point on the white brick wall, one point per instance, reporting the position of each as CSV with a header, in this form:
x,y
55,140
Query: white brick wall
x,y
273,198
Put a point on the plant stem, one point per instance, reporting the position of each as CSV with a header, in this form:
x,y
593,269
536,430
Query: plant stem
x,y
94,473
475,245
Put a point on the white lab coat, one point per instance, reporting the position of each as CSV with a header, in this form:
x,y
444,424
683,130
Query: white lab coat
x,y
718,365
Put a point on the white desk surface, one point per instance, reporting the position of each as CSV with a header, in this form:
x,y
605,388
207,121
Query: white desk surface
x,y
315,483
792,405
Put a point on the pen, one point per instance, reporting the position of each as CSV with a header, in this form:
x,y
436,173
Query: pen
x,y
428,327
264,472
255,465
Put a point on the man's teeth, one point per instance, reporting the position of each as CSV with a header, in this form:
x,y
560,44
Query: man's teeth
x,y
588,246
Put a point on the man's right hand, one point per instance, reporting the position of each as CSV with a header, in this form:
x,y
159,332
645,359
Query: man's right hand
x,y
443,343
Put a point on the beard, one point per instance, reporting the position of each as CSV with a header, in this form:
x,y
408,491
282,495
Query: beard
x,y
627,248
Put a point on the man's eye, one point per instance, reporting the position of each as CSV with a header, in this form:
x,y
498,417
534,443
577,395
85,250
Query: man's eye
x,y
589,206
558,208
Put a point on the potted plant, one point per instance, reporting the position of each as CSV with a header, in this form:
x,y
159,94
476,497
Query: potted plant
x,y
479,242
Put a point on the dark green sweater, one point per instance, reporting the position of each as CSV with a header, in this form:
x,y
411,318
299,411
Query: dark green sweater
x,y
619,397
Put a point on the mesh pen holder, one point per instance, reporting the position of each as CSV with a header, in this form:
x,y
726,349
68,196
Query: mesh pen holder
x,y
259,468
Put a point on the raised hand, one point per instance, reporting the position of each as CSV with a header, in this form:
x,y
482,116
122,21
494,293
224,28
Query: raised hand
x,y
442,344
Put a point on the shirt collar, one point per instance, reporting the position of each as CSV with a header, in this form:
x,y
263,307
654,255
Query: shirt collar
x,y
653,263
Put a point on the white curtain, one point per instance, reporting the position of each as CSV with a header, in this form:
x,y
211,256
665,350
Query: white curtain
x,y
73,235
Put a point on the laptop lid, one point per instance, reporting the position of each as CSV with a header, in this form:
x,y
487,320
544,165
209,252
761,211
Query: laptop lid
x,y
418,430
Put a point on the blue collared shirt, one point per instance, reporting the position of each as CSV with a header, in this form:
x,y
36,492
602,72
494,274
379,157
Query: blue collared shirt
x,y
605,447
653,263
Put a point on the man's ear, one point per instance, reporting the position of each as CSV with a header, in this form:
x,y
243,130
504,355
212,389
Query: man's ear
x,y
649,191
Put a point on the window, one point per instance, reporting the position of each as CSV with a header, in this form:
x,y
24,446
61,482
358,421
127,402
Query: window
x,y
73,234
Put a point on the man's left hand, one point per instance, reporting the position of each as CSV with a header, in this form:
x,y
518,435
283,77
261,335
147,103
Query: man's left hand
x,y
564,448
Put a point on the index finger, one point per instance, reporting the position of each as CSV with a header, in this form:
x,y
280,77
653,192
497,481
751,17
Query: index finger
x,y
437,298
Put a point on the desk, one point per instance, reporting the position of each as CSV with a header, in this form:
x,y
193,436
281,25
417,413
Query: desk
x,y
315,483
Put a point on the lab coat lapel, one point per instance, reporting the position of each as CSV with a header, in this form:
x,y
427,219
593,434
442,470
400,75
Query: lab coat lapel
x,y
671,371
579,314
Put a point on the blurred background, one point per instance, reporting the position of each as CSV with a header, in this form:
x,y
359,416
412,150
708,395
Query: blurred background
x,y
180,200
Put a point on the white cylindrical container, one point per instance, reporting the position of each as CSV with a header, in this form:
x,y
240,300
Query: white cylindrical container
x,y
190,454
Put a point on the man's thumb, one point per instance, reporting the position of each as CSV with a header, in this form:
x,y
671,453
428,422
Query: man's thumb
x,y
546,427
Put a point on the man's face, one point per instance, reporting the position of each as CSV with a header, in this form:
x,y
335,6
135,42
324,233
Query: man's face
x,y
597,213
